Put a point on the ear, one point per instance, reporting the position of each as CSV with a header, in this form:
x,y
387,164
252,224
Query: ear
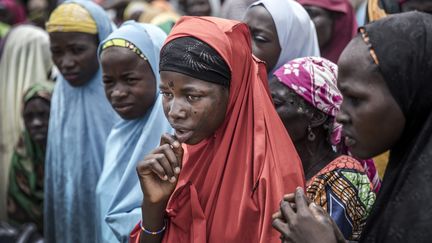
x,y
318,119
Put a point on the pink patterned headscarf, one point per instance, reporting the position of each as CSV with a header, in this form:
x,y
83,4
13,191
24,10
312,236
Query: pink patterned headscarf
x,y
315,79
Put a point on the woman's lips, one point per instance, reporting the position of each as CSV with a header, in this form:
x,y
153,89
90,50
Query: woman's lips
x,y
123,108
71,76
183,135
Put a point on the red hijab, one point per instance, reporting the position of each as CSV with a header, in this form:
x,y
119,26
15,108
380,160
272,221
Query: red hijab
x,y
344,25
232,183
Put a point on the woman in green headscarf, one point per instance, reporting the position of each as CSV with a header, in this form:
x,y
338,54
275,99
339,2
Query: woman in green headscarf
x,y
26,180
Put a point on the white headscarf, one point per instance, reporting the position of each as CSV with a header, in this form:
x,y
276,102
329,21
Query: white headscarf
x,y
295,29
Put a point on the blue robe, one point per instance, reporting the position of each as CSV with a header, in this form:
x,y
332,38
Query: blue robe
x,y
81,119
118,191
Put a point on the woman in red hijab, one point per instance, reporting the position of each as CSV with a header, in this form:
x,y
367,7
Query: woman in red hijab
x,y
223,172
335,23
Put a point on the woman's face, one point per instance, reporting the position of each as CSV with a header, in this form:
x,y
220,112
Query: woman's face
x,y
75,54
372,120
265,40
323,23
195,108
129,82
36,118
197,7
289,109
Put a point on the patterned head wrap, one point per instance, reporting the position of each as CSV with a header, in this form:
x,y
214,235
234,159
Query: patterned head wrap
x,y
41,90
314,79
194,58
71,17
119,42
37,90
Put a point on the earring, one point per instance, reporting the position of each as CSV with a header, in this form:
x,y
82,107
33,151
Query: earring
x,y
311,135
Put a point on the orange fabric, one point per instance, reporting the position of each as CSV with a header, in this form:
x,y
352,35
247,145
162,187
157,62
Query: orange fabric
x,y
341,162
232,182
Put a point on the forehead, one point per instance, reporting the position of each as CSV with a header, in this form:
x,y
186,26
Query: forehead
x,y
175,80
36,104
68,38
356,69
124,59
259,17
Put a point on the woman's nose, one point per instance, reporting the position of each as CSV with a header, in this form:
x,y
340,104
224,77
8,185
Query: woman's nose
x,y
177,109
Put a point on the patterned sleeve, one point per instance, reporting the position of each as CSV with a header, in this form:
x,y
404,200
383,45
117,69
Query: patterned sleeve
x,y
348,197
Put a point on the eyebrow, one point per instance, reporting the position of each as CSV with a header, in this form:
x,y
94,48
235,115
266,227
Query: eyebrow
x,y
191,89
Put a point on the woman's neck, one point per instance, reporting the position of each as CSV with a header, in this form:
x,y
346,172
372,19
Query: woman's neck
x,y
315,155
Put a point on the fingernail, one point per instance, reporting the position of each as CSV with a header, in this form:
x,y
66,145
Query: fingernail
x,y
177,170
176,144
172,179
165,178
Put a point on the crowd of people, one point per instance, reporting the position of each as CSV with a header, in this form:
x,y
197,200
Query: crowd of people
x,y
148,121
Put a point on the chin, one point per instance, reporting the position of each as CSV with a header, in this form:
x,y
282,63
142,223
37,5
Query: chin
x,y
363,153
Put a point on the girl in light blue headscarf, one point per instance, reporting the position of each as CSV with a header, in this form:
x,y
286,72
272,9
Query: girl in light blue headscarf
x,y
295,31
118,191
81,119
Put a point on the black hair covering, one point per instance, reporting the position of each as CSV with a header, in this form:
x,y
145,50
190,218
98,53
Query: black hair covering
x,y
390,6
192,57
403,210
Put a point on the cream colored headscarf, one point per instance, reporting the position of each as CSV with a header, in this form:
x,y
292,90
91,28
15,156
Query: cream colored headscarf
x,y
26,59
71,17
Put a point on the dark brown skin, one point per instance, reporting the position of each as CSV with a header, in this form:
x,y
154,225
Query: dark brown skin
x,y
196,109
316,154
299,220
371,118
265,40
36,119
75,54
197,7
373,122
129,82
323,22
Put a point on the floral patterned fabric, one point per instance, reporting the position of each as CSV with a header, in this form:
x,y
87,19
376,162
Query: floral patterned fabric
x,y
343,189
314,79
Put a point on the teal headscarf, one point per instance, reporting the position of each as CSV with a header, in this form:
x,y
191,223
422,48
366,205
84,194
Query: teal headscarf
x,y
118,192
81,119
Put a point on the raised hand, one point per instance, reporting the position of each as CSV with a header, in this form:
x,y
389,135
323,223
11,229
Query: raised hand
x,y
300,221
158,171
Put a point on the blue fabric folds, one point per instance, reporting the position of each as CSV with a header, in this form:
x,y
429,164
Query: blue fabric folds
x,y
119,194
81,119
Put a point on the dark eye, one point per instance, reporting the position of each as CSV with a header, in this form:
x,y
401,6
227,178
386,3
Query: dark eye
x,y
166,94
131,81
277,102
354,101
107,81
260,38
193,97
78,50
55,51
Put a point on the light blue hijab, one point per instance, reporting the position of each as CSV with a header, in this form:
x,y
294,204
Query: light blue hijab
x,y
81,119
118,191
296,31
